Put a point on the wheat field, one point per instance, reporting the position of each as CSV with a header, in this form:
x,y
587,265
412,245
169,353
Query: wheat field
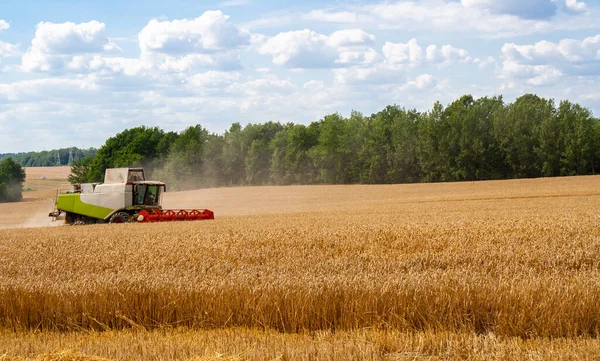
x,y
477,270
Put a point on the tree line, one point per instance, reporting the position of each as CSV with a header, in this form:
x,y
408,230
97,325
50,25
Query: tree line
x,y
49,158
470,139
12,176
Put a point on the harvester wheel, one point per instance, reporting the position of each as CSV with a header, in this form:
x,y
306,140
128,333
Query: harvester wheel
x,y
120,217
69,219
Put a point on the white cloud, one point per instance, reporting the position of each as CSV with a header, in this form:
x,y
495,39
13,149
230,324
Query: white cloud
x,y
350,37
299,49
55,44
191,62
544,75
357,56
268,84
447,15
566,50
544,62
530,9
101,64
314,85
377,74
576,6
45,88
217,95
536,75
272,20
178,46
411,53
213,79
475,3
422,82
208,33
483,18
591,96
446,54
209,41
236,3
484,62
308,49
333,17
7,49
206,69
154,65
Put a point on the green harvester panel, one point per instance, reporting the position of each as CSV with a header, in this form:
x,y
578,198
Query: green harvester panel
x,y
72,203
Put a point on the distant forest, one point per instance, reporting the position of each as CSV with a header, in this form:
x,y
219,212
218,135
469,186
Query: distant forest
x,y
48,158
470,139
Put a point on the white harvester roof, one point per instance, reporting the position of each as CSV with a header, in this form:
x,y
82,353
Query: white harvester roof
x,y
123,175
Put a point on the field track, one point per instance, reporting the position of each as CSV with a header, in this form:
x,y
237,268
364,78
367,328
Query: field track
x,y
475,270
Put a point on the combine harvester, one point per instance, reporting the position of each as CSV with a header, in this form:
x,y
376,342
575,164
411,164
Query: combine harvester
x,y
125,196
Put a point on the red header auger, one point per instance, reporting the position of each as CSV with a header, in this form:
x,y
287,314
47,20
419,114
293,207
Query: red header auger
x,y
171,215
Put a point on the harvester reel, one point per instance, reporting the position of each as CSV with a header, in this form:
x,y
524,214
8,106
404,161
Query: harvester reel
x,y
120,217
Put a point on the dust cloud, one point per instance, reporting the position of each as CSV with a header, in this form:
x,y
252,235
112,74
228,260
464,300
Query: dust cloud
x,y
26,215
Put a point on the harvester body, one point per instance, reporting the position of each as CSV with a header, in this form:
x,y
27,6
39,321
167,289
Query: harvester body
x,y
124,196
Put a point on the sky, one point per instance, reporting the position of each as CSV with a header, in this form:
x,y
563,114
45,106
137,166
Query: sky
x,y
73,73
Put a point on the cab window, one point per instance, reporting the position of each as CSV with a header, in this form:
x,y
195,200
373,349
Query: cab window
x,y
147,195
140,194
151,197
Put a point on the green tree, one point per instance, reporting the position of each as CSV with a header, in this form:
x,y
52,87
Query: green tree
x,y
234,153
282,148
518,135
290,160
595,145
577,130
551,145
470,139
47,158
329,155
354,149
379,147
139,146
472,122
430,151
80,171
12,177
184,164
257,139
212,168
403,161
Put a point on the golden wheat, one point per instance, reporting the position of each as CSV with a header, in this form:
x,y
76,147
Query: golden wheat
x,y
508,259
235,344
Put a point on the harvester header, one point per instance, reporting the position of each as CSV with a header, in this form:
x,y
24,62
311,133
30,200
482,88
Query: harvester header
x,y
124,196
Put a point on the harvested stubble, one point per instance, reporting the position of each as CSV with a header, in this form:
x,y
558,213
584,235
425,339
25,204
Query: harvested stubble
x,y
525,265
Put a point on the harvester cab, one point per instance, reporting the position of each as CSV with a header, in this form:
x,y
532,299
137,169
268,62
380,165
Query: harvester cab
x,y
124,196
145,193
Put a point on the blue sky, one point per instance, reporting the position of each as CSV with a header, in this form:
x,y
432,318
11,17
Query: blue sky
x,y
73,73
